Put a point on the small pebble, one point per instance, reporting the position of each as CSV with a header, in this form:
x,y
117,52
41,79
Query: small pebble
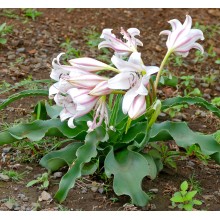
x,y
11,57
6,150
204,85
45,196
29,168
4,177
21,50
57,175
206,96
154,190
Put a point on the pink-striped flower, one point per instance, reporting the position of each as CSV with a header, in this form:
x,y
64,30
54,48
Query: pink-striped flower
x,y
134,78
182,38
90,64
121,48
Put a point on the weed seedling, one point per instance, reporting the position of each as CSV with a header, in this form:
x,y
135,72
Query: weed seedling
x,y
173,111
42,179
184,199
70,51
4,30
195,151
14,175
195,184
216,101
32,13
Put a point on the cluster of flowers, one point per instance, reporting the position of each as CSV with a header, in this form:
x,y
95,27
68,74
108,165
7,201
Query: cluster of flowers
x,y
79,90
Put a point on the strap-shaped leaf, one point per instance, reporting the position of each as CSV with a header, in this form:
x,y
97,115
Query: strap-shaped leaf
x,y
84,155
134,131
36,130
59,158
190,101
22,94
129,168
185,137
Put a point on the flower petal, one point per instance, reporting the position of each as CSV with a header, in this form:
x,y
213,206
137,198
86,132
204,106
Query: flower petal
x,y
175,24
128,99
121,81
138,107
89,64
151,69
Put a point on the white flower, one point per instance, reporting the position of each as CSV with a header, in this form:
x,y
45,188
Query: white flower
x,y
121,48
183,38
134,77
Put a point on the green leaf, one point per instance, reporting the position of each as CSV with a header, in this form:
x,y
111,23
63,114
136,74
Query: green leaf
x,y
22,94
45,183
184,186
152,167
177,198
84,155
57,159
197,202
135,130
31,183
184,137
36,130
189,196
188,207
128,168
190,101
3,41
2,26
53,111
90,168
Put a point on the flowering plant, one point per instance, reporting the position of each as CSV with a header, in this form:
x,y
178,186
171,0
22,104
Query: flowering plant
x,y
111,120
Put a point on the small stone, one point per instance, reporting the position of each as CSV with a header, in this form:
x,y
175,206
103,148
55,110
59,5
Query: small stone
x,y
21,50
84,190
6,150
57,175
11,57
151,207
209,197
21,196
206,96
176,120
190,164
217,88
154,190
94,188
45,196
158,48
207,91
204,85
4,177
203,114
17,208
10,205
101,190
25,199
29,168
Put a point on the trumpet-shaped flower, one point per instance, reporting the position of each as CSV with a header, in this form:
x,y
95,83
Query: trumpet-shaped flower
x,y
182,38
83,103
90,64
134,77
126,47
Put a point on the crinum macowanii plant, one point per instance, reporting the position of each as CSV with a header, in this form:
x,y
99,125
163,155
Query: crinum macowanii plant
x,y
111,120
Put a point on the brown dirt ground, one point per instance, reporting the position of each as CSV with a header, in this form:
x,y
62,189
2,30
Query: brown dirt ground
x,y
42,38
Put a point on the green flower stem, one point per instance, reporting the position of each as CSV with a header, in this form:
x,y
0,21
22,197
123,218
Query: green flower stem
x,y
118,92
153,90
161,69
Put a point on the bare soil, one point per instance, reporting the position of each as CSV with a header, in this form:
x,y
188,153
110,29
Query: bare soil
x,y
38,42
